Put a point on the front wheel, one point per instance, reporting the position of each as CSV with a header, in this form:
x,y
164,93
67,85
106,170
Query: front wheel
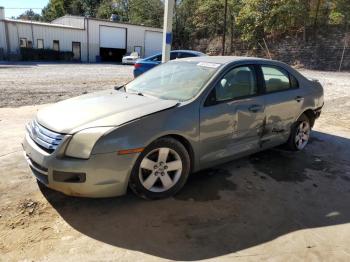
x,y
161,170
300,134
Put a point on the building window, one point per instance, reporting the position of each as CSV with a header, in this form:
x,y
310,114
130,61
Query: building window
x,y
23,42
56,45
30,44
40,44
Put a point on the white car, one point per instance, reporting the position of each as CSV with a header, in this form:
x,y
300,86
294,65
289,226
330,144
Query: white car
x,y
130,59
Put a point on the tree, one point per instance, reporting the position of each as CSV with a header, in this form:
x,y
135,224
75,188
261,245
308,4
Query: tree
x,y
118,7
146,12
30,15
91,7
185,29
58,8
340,13
53,10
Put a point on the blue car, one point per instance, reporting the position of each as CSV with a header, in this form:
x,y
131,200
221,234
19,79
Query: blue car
x,y
143,65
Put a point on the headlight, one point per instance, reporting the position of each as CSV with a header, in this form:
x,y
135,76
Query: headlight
x,y
80,146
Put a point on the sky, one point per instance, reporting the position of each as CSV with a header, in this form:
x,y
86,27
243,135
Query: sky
x,y
17,7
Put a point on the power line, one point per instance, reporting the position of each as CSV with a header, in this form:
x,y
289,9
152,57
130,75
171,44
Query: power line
x,y
24,8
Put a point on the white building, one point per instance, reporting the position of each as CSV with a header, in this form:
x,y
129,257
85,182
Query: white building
x,y
89,39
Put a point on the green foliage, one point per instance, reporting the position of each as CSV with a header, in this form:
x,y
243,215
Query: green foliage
x,y
147,12
29,15
184,24
117,7
340,13
53,10
260,17
250,20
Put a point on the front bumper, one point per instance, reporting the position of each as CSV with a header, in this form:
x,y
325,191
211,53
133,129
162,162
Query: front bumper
x,y
105,175
128,62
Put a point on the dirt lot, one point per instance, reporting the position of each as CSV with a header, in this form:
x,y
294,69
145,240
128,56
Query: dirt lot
x,y
275,205
32,84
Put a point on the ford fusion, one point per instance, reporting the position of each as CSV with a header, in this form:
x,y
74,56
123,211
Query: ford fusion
x,y
181,117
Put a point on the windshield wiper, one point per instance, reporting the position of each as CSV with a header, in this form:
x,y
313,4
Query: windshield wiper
x,y
120,87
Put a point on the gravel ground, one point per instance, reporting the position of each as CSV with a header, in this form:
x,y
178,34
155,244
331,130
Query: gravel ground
x,y
272,206
32,84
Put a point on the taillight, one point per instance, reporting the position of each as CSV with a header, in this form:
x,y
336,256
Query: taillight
x,y
137,66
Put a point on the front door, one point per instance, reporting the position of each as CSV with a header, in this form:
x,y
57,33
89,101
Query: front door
x,y
232,117
76,49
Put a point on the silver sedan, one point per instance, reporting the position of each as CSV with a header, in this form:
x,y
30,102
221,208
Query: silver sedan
x,y
178,118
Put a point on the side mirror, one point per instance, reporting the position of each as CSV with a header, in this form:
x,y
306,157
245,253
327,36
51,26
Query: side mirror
x,y
223,82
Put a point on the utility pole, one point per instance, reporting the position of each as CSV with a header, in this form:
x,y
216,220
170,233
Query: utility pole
x,y
167,29
224,33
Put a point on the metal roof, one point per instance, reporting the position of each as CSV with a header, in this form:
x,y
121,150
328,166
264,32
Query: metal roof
x,y
41,23
107,20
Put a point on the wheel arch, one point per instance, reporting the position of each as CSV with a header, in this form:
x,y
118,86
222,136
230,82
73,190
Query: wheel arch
x,y
186,143
310,114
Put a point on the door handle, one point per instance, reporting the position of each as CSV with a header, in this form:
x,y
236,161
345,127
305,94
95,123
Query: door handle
x,y
255,108
299,98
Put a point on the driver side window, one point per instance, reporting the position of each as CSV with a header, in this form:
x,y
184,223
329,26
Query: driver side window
x,y
237,83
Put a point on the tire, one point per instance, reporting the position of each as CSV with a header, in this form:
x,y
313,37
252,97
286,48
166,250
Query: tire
x,y
164,159
300,134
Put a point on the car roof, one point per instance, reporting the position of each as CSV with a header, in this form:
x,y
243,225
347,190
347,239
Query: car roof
x,y
188,51
224,60
182,51
227,59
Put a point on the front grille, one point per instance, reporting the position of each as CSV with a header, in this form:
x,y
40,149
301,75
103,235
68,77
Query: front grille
x,y
40,172
43,137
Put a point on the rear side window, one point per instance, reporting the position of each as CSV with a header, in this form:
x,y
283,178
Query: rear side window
x,y
157,58
293,82
173,55
276,79
184,55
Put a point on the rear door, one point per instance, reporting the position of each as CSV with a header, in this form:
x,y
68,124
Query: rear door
x,y
232,116
283,101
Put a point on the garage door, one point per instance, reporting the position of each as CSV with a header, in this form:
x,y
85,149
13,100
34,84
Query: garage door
x,y
112,37
153,43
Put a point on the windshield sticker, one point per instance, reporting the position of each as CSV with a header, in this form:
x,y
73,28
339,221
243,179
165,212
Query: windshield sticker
x,y
211,65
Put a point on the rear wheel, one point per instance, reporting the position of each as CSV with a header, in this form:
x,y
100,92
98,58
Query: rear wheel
x,y
300,134
161,170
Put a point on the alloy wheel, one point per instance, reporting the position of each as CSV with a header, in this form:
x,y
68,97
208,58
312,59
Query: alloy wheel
x,y
302,135
160,169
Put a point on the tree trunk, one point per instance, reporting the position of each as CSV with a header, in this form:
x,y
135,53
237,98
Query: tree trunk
x,y
232,32
316,15
224,30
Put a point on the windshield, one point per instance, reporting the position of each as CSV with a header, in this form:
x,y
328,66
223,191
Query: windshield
x,y
174,80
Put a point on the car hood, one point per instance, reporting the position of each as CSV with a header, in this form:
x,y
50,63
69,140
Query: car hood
x,y
105,108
